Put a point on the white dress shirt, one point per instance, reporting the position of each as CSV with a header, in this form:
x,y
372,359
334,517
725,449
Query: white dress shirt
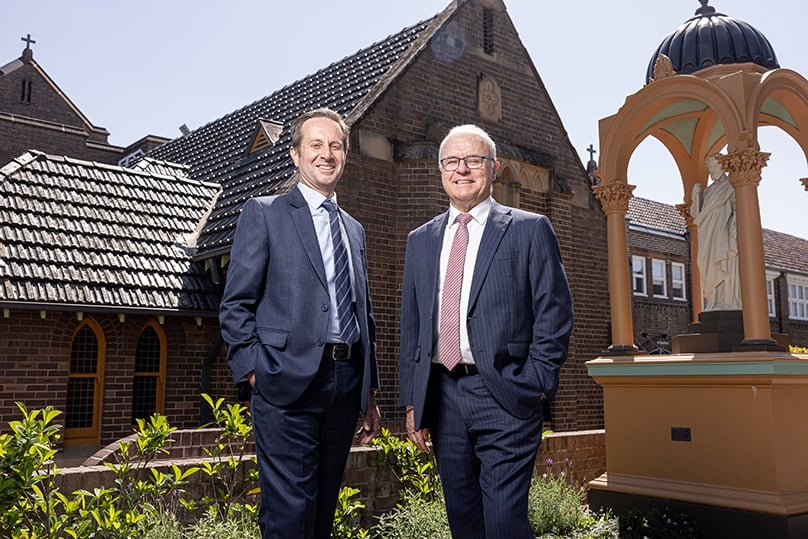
x,y
322,226
479,214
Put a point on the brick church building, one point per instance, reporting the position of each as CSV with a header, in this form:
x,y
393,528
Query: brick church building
x,y
112,259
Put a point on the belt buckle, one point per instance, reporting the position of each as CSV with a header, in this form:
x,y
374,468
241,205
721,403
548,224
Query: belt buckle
x,y
340,352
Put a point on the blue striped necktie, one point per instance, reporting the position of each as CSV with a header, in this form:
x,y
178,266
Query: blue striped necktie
x,y
342,278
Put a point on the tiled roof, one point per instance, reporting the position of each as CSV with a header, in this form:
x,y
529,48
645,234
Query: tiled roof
x,y
655,215
785,252
781,251
100,236
217,152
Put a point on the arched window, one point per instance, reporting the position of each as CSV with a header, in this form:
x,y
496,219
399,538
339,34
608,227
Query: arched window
x,y
149,378
85,385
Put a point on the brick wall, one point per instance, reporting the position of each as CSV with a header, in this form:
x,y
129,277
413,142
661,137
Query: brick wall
x,y
652,315
35,351
391,198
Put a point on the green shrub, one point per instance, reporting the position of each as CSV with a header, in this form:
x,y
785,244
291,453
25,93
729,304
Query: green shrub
x,y
414,518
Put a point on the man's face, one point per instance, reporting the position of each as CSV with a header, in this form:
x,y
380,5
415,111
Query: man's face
x,y
320,159
467,187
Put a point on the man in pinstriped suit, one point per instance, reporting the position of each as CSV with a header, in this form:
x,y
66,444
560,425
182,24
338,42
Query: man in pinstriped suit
x,y
280,316
483,413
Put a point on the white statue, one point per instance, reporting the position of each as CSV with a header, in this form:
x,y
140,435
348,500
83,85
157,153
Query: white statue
x,y
714,213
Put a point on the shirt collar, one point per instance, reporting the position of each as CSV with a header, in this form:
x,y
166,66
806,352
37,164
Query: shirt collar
x,y
479,212
314,198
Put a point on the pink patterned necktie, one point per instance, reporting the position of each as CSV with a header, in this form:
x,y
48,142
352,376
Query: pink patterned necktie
x,y
449,329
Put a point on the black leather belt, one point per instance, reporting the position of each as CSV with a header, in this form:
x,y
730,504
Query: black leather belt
x,y
460,370
337,351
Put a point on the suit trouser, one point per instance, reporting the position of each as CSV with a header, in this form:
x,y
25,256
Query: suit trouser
x,y
485,458
302,449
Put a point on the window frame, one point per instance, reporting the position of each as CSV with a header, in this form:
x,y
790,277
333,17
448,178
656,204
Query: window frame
x,y
159,375
683,281
771,296
659,279
639,277
92,433
797,297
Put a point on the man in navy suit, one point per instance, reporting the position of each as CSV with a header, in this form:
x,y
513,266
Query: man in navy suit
x,y
482,339
309,357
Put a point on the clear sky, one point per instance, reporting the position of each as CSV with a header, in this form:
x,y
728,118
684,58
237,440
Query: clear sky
x,y
151,66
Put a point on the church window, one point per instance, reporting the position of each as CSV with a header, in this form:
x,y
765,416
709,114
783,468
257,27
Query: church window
x,y
488,30
25,91
149,377
84,385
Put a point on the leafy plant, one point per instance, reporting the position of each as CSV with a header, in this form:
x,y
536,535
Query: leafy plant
x,y
30,504
346,517
233,484
417,472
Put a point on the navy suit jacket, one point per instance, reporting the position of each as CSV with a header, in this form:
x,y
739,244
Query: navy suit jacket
x,y
519,317
274,310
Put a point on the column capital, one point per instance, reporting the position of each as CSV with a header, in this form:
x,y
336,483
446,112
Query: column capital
x,y
744,167
684,211
614,196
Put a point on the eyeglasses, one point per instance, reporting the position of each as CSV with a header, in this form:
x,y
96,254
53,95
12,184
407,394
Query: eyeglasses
x,y
450,164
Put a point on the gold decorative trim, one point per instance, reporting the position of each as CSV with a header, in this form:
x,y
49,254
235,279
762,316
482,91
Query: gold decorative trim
x,y
614,196
663,68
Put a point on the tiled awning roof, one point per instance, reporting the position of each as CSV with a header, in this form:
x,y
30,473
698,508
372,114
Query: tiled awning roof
x,y
98,236
655,215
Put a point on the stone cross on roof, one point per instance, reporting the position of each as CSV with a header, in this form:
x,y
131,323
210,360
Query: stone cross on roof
x,y
28,41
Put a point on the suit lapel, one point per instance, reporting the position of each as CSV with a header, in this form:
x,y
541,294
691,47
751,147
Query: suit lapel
x,y
431,258
301,216
498,220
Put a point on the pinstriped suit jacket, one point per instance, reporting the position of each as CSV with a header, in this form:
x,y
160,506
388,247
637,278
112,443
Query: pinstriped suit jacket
x,y
274,310
519,318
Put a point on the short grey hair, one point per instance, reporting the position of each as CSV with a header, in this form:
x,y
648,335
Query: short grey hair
x,y
469,130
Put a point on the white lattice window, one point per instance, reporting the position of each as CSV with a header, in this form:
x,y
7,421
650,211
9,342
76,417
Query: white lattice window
x,y
678,290
770,297
659,274
797,298
638,278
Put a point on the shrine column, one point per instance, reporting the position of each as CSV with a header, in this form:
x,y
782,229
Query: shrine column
x,y
696,297
744,173
614,197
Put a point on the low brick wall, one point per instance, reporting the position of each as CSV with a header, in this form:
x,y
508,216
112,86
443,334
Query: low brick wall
x,y
580,455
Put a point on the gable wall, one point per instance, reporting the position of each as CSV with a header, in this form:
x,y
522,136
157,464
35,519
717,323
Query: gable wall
x,y
61,131
394,198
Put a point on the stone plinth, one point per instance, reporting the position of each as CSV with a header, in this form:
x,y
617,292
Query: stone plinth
x,y
722,432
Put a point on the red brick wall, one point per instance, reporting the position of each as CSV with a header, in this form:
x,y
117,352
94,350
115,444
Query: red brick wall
x,y
35,352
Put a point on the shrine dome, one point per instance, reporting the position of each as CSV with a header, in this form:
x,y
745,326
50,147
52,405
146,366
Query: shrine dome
x,y
711,38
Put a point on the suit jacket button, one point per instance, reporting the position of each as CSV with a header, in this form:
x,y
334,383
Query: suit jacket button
x,y
320,342
324,307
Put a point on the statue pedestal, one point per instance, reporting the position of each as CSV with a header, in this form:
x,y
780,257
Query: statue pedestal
x,y
721,331
722,437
